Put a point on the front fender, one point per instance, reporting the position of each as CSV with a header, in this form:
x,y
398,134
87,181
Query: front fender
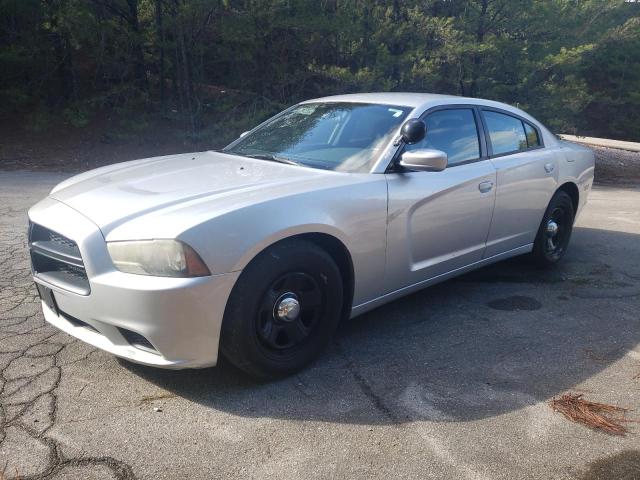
x,y
355,214
288,232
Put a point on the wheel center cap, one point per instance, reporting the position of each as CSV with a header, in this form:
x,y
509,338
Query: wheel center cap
x,y
552,228
287,307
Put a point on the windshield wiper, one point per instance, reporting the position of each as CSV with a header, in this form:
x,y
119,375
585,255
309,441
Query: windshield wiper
x,y
272,158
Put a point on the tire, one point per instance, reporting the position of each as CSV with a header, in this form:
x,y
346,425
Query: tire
x,y
555,230
270,342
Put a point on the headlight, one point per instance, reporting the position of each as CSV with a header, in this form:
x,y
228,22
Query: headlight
x,y
162,258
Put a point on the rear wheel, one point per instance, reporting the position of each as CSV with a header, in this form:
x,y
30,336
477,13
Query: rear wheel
x,y
555,230
283,310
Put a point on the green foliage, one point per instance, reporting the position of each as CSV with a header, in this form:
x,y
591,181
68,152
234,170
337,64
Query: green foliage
x,y
77,116
39,120
218,66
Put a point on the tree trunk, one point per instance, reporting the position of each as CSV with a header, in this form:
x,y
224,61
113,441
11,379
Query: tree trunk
x,y
477,61
160,35
64,64
140,72
187,79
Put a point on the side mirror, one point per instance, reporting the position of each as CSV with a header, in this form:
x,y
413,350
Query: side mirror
x,y
427,160
413,131
244,134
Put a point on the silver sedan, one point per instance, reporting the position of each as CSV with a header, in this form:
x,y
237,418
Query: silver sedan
x,y
325,211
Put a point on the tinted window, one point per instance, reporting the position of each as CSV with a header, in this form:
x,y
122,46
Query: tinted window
x,y
454,132
532,136
506,133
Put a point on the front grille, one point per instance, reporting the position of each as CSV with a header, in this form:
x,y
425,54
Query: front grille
x,y
137,340
56,259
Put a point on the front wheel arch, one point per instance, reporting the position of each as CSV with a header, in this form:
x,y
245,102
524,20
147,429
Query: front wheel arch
x,y
338,252
244,346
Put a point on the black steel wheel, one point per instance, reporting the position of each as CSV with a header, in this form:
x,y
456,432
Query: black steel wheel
x,y
283,310
289,312
555,230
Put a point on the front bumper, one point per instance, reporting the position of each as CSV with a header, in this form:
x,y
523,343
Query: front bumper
x,y
180,317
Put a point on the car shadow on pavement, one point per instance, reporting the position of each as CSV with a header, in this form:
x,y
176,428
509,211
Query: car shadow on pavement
x,y
487,343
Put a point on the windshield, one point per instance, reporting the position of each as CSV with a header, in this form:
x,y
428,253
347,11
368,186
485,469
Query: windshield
x,y
347,137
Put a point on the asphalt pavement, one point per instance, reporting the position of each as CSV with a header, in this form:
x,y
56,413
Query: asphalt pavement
x,y
451,382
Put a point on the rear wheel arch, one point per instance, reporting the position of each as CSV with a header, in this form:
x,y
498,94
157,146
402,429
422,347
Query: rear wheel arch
x,y
571,189
554,233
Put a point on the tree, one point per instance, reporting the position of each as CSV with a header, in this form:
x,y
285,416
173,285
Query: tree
x,y
574,65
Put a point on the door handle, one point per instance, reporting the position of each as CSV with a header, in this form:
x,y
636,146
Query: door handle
x,y
548,167
485,187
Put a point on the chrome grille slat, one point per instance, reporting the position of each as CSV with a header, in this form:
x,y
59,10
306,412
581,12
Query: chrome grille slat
x,y
56,259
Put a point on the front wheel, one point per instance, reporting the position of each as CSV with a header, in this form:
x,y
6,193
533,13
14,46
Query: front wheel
x,y
555,230
283,310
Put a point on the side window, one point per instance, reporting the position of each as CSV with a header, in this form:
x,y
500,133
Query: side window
x,y
506,132
532,136
454,132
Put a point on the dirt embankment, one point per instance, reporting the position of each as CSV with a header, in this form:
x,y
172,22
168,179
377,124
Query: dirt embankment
x,y
74,150
617,166
68,149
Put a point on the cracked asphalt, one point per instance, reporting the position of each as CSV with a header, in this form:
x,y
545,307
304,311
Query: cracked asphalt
x,y
451,382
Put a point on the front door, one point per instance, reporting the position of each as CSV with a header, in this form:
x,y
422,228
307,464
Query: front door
x,y
439,221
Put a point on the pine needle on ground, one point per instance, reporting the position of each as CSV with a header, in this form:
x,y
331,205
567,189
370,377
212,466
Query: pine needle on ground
x,y
599,416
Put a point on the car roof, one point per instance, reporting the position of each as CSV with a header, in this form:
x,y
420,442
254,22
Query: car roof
x,y
422,101
404,99
417,100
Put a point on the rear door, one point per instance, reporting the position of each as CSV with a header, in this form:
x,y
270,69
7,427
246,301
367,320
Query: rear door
x,y
526,179
439,221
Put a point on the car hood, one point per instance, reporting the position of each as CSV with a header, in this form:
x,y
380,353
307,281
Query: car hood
x,y
112,195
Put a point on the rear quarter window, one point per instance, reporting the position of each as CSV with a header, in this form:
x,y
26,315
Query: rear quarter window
x,y
533,140
506,133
